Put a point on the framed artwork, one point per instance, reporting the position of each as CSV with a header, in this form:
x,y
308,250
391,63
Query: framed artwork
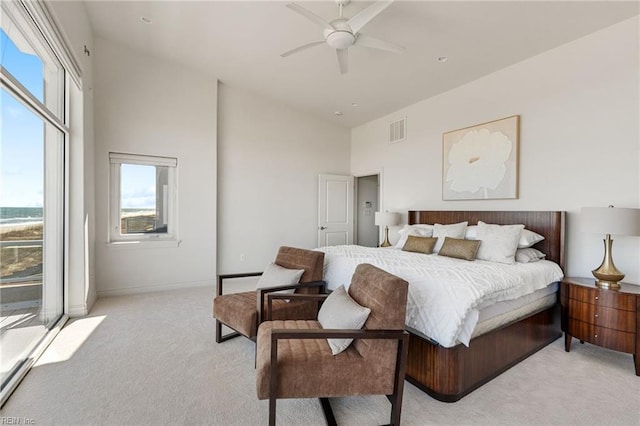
x,y
481,162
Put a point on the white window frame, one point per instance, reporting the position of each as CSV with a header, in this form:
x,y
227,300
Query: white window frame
x,y
116,160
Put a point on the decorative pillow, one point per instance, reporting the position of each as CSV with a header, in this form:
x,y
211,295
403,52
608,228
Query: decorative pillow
x,y
460,249
275,275
526,255
420,244
499,242
471,232
456,230
340,311
417,230
529,238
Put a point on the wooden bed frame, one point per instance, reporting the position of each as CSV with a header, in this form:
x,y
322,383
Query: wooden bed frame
x,y
448,374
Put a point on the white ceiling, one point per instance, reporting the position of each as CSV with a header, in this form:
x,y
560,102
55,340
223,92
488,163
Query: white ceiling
x,y
240,42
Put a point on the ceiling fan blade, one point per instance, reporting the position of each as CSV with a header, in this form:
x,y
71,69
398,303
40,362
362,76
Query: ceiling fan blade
x,y
367,41
343,60
299,48
363,17
310,16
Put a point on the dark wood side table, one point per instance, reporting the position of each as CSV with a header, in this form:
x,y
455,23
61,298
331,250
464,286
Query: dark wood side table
x,y
607,318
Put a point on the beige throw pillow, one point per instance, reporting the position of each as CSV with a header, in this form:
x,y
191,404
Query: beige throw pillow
x,y
340,311
499,242
275,275
420,244
455,230
459,248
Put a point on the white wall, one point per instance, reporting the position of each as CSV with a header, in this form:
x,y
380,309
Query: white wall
x,y
269,159
148,106
73,22
579,140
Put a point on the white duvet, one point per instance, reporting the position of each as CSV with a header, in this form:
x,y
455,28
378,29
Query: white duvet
x,y
445,294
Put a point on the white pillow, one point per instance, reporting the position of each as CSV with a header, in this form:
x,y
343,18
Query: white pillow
x,y
275,276
499,242
340,311
416,230
526,255
529,238
471,233
456,230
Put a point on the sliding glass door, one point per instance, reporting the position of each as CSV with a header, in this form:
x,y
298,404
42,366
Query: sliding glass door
x,y
32,152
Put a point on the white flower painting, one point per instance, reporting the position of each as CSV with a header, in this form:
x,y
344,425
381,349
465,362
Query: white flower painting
x,y
480,162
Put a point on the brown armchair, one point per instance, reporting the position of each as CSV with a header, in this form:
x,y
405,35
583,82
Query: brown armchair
x,y
295,361
243,313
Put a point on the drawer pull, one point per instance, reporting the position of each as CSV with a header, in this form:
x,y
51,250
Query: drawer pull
x,y
596,336
596,315
596,297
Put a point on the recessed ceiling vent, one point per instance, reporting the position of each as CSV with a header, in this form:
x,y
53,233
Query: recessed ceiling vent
x,y
398,130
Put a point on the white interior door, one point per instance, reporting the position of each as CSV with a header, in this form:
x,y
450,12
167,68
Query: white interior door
x,y
335,210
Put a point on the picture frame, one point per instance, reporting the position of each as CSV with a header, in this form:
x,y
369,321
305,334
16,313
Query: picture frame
x,y
480,162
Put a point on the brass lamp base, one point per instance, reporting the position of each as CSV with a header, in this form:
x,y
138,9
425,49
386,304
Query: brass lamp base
x,y
386,242
607,273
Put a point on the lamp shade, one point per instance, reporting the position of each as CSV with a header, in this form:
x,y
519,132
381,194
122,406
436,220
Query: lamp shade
x,y
387,219
610,220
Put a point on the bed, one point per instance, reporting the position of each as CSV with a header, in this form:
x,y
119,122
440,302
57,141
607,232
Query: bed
x,y
505,330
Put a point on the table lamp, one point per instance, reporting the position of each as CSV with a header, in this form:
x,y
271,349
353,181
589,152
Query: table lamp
x,y
609,220
386,219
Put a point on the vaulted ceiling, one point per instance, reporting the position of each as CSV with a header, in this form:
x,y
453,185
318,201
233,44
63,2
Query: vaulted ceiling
x,y
240,42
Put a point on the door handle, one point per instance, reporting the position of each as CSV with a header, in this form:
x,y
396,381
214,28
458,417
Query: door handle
x,y
322,228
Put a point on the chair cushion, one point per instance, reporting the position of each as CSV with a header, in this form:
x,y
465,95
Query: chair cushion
x,y
238,311
307,368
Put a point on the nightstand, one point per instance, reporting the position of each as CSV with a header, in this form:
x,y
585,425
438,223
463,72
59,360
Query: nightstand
x,y
607,318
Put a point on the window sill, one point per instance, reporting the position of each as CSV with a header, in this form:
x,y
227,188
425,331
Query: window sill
x,y
143,244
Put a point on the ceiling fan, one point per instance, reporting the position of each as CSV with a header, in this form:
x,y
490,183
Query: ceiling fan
x,y
342,33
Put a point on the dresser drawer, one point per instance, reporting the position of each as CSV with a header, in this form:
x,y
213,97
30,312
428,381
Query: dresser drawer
x,y
603,317
605,298
605,337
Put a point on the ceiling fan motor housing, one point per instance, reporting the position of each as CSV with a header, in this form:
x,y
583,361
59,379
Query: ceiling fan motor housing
x,y
342,37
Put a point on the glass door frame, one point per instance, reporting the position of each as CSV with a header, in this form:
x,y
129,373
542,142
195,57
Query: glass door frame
x,y
56,196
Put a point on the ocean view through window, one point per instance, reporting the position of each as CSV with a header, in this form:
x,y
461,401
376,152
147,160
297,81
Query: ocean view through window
x,y
33,134
142,198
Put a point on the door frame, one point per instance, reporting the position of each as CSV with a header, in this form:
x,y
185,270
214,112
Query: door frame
x,y
356,176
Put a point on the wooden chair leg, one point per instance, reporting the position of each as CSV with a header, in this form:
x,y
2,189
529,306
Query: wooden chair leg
x,y
328,412
272,410
220,338
218,332
401,365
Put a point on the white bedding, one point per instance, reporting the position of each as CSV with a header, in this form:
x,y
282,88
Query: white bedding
x,y
445,294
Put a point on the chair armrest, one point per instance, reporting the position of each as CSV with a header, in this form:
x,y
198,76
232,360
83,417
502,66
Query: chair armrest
x,y
270,297
262,292
331,333
222,277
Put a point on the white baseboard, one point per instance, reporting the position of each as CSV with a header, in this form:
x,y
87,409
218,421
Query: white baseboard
x,y
78,311
128,290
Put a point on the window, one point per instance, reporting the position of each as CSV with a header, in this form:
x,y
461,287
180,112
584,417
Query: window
x,y
34,132
143,198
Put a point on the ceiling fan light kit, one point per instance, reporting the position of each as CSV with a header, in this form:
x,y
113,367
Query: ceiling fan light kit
x,y
341,33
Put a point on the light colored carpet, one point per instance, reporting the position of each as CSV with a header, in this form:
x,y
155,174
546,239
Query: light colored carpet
x,y
152,359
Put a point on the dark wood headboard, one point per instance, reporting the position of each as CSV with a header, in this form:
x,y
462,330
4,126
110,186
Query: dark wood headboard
x,y
548,224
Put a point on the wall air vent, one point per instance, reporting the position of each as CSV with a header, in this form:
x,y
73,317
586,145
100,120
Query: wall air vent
x,y
398,130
